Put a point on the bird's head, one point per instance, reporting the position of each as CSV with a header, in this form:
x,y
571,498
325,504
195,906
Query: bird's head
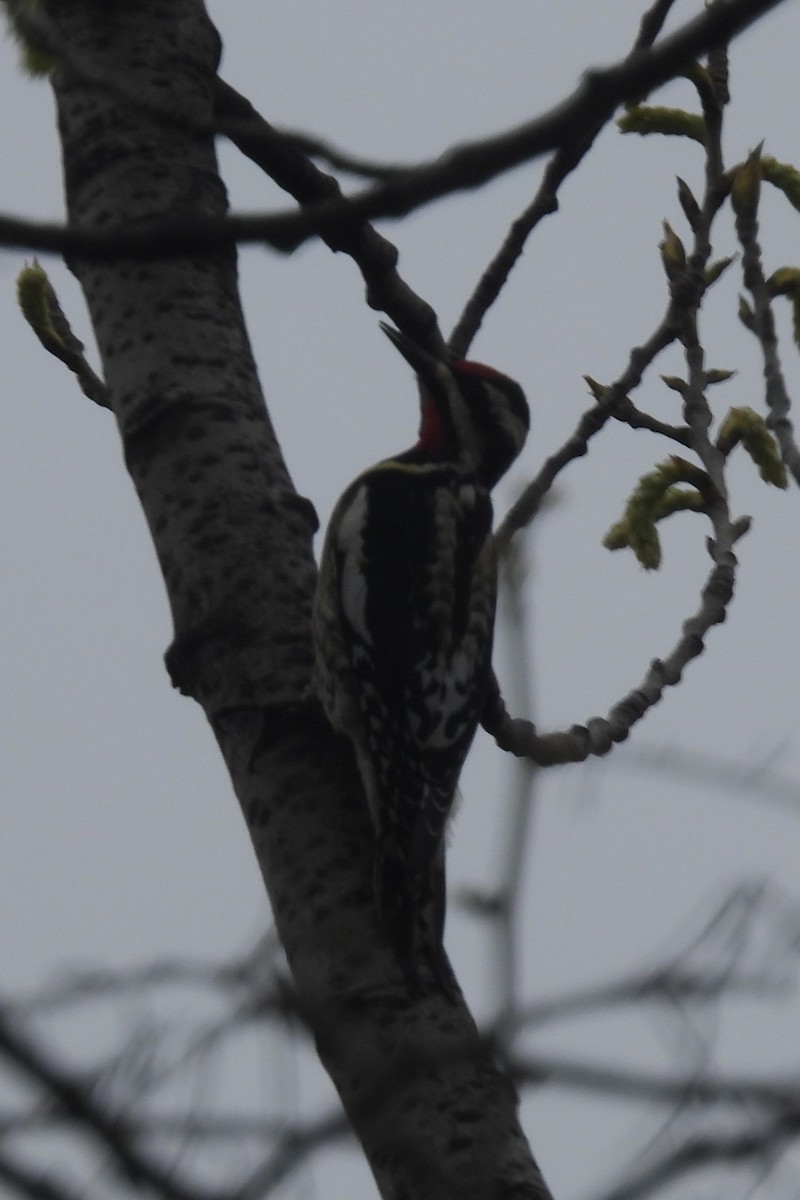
x,y
471,414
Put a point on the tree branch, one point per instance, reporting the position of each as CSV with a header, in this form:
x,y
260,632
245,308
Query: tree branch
x,y
470,165
434,1113
75,1100
746,1144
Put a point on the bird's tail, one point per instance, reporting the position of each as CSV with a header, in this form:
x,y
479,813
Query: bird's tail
x,y
410,890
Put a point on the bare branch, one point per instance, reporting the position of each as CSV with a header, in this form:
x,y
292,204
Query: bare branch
x,y
612,1080
652,22
666,983
776,392
568,156
35,1184
291,1152
688,283
749,778
74,1098
352,164
285,163
467,166
747,1144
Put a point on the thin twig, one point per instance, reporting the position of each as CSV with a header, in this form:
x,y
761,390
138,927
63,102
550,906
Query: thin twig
x,y
748,1144
75,1099
776,392
687,284
567,158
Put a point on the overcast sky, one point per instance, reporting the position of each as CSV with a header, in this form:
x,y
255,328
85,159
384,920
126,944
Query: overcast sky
x,y
121,839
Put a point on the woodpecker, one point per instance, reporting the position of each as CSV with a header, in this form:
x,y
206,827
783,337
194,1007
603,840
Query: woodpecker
x,y
403,624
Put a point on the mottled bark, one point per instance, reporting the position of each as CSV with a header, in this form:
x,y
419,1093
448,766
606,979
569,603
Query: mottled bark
x,y
135,92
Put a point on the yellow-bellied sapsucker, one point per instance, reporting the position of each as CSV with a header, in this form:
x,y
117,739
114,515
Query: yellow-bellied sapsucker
x,y
403,624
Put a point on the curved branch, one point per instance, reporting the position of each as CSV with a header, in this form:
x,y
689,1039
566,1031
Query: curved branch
x,y
470,165
688,283
600,734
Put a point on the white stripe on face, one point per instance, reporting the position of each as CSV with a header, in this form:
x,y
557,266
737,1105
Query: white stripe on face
x,y
505,417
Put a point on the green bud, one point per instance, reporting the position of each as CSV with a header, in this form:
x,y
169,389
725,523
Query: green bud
x,y
653,499
691,208
673,254
746,185
37,301
784,282
783,176
746,315
749,427
676,383
677,499
715,269
646,119
646,545
598,390
717,376
36,57
617,537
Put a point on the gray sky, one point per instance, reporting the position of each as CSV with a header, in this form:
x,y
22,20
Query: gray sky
x,y
121,839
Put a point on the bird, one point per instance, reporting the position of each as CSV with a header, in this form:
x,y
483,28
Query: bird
x,y
403,623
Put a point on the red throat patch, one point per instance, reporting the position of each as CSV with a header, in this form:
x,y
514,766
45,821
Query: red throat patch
x,y
433,436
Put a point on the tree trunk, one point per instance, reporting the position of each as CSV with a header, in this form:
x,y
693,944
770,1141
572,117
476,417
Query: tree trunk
x,y
134,89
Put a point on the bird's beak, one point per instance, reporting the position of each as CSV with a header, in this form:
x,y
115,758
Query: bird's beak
x,y
423,362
